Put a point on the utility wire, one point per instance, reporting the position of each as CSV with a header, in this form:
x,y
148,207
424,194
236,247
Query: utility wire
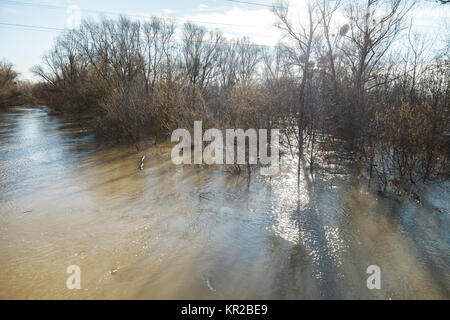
x,y
53,29
26,29
49,29
252,3
56,7
31,26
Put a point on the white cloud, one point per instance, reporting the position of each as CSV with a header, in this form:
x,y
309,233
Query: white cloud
x,y
239,22
168,11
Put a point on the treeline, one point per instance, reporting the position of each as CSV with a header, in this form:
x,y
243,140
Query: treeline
x,y
142,81
13,92
328,80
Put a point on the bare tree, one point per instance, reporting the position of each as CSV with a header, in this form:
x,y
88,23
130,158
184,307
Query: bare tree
x,y
373,28
303,36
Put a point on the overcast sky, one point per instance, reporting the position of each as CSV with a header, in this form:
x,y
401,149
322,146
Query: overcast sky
x,y
24,46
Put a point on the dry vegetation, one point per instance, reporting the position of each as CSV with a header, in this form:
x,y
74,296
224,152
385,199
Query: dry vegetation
x,y
9,89
326,79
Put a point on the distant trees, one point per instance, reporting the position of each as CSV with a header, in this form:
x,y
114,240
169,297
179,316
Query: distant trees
x,y
13,92
8,85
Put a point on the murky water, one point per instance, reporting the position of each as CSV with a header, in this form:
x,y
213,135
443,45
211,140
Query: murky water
x,y
172,232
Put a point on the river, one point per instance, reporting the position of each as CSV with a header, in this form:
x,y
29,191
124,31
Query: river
x,y
186,232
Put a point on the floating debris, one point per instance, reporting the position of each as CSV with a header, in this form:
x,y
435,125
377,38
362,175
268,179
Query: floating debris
x,y
203,195
81,254
208,283
141,167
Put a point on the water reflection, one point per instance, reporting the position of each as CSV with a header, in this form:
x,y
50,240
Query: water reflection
x,y
189,232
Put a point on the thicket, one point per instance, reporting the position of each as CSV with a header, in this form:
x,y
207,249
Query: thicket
x,y
328,80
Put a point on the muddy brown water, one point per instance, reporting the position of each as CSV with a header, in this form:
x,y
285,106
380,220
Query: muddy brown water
x,y
170,232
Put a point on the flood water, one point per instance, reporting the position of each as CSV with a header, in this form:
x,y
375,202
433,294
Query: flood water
x,y
186,232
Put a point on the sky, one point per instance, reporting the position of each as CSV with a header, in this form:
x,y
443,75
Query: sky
x,y
24,46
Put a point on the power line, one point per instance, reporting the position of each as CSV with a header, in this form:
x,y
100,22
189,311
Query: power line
x,y
25,29
30,26
252,3
53,29
56,7
48,29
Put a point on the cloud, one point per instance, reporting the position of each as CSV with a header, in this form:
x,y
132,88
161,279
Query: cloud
x,y
238,22
168,11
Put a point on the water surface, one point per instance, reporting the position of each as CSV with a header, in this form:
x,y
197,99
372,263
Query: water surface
x,y
171,232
